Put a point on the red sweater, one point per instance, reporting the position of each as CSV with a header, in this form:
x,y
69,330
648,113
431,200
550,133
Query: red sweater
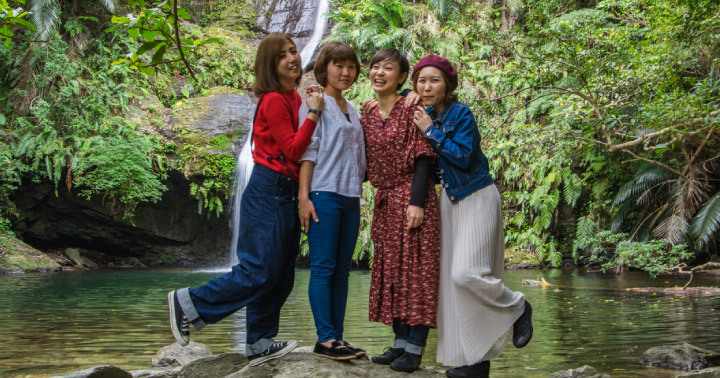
x,y
276,132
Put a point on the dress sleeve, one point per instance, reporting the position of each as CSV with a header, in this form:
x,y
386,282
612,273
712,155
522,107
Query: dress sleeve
x,y
280,116
417,145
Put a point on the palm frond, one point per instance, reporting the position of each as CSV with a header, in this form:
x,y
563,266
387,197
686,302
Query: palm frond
x,y
673,228
707,221
647,176
45,15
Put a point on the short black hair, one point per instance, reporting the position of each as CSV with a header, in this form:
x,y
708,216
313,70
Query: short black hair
x,y
393,55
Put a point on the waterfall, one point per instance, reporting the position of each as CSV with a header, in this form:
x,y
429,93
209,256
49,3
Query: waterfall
x,y
318,30
244,165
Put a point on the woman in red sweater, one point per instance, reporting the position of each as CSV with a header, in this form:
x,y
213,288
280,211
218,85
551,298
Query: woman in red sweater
x,y
269,228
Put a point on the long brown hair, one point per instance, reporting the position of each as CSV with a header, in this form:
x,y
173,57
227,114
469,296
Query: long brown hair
x,y
266,60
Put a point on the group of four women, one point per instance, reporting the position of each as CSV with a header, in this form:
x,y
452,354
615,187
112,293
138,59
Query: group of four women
x,y
315,155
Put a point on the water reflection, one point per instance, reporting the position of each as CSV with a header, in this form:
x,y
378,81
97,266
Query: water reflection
x,y
61,322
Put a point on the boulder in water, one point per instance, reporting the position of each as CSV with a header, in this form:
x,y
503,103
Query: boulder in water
x,y
105,371
581,372
681,357
174,354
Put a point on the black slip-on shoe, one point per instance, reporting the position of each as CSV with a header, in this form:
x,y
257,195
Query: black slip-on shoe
x,y
276,350
179,323
335,351
390,355
479,370
523,328
359,352
408,362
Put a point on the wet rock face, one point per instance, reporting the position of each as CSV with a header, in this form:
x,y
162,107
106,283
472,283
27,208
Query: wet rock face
x,y
216,115
170,232
295,17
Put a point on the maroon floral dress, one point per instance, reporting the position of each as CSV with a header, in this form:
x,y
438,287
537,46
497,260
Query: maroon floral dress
x,y
406,263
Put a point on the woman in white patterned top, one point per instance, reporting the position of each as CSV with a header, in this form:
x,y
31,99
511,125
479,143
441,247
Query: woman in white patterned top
x,y
331,174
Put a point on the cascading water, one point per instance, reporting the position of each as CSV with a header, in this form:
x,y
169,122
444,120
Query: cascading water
x,y
318,30
244,165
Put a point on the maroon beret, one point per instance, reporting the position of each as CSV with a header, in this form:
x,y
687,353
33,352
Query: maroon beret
x,y
443,65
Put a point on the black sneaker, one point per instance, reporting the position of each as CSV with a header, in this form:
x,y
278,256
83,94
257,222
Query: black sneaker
x,y
408,362
359,352
388,356
335,351
276,350
178,321
523,329
479,370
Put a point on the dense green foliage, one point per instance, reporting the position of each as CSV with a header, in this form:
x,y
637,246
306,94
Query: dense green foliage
x,y
572,98
599,118
64,109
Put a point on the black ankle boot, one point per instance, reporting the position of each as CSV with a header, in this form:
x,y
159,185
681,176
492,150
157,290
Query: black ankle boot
x,y
408,362
478,370
523,329
390,355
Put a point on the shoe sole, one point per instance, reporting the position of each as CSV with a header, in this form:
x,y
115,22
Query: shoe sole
x,y
341,358
292,344
176,332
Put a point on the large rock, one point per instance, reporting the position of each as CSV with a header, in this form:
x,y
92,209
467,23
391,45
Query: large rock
x,y
175,354
713,372
304,364
581,372
18,257
214,366
105,371
156,373
681,357
169,232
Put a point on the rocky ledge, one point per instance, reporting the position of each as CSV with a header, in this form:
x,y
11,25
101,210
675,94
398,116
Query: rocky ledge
x,y
299,363
197,361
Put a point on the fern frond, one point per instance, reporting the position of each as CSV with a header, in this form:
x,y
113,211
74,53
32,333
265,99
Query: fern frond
x,y
707,221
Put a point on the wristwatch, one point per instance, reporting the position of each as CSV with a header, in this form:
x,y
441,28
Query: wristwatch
x,y
318,112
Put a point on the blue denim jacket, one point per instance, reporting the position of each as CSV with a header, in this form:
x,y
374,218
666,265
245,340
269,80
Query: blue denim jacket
x,y
463,166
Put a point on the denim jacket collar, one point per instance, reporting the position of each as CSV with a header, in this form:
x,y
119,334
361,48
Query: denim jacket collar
x,y
439,120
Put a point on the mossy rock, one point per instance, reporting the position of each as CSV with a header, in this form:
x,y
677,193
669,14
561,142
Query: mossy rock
x,y
16,256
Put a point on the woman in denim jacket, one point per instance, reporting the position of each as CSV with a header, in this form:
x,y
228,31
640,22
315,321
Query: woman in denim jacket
x,y
475,311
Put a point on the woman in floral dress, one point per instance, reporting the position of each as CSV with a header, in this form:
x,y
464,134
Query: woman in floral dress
x,y
406,220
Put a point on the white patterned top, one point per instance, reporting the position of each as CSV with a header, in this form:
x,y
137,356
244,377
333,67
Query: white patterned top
x,y
338,150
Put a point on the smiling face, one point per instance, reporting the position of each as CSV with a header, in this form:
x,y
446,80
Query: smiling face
x,y
431,86
288,65
341,75
386,76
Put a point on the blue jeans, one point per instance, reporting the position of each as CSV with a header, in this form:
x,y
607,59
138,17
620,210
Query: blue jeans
x,y
269,242
412,338
331,242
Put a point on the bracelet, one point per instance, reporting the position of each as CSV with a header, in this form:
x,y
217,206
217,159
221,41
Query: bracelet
x,y
318,112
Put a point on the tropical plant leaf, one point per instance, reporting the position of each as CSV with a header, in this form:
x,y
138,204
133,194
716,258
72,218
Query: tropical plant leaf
x,y
707,221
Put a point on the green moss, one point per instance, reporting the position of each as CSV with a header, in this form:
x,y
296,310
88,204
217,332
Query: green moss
x,y
16,255
521,257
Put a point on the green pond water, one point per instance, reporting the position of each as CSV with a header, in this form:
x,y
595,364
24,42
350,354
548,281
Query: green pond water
x,y
57,323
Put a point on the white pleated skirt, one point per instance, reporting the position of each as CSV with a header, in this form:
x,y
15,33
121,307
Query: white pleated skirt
x,y
475,310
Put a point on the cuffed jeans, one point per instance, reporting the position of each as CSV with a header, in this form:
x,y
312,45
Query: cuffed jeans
x,y
268,245
331,242
412,338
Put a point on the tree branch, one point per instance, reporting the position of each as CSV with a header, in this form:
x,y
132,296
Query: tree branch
x,y
177,40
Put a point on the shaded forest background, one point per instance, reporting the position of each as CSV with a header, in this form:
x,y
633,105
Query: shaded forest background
x,y
600,118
